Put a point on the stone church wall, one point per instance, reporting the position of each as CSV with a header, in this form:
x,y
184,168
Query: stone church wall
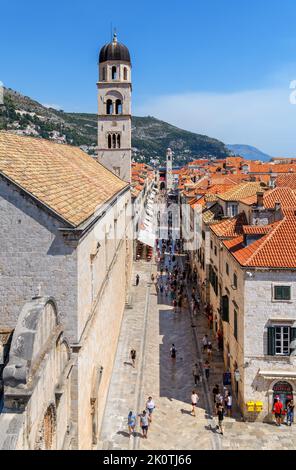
x,y
34,252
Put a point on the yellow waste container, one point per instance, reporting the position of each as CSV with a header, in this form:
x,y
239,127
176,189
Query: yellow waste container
x,y
259,406
250,406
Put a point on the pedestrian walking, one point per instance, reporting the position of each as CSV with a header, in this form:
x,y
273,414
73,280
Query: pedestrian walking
x,y
219,401
215,392
131,422
150,408
133,355
196,375
229,405
173,352
144,423
137,279
194,401
278,411
210,351
207,369
205,341
290,413
220,413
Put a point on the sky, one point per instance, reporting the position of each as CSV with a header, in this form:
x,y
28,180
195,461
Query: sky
x,y
218,67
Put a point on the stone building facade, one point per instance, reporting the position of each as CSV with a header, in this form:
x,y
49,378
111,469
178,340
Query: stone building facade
x,y
68,234
247,269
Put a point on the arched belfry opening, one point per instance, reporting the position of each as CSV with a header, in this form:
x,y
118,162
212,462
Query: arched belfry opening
x,y
118,106
114,72
109,107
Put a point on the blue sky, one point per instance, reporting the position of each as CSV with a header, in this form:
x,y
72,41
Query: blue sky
x,y
219,67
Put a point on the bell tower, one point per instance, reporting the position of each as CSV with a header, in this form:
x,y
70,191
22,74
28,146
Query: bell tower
x,y
114,109
169,170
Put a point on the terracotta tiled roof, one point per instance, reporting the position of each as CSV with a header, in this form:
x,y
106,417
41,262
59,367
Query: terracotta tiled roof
x,y
255,167
63,177
273,250
241,191
229,179
230,227
286,196
288,181
257,229
249,201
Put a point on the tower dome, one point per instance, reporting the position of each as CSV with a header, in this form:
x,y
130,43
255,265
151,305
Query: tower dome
x,y
114,51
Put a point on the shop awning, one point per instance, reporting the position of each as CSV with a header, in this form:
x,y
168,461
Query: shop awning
x,y
147,237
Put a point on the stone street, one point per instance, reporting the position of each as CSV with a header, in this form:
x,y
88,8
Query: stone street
x,y
151,326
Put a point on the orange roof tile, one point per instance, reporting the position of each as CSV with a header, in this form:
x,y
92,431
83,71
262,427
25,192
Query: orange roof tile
x,y
241,191
285,196
288,181
230,227
276,249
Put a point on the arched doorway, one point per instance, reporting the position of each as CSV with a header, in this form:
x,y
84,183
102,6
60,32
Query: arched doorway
x,y
162,185
46,435
283,391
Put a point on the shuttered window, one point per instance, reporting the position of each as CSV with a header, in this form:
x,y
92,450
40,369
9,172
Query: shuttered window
x,y
281,341
282,292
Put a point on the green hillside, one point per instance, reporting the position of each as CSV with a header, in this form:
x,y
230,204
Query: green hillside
x,y
150,136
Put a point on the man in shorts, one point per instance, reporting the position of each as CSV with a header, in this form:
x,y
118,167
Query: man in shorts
x,y
195,373
194,401
144,423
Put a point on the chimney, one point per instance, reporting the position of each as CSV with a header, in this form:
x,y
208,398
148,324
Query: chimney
x,y
277,206
260,197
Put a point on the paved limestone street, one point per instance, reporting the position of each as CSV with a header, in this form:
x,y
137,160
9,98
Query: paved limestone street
x,y
150,326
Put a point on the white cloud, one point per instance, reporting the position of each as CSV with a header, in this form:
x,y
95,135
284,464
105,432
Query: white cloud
x,y
54,106
263,118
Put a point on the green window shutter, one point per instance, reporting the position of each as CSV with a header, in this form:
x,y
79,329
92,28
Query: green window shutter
x,y
293,342
282,293
271,341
